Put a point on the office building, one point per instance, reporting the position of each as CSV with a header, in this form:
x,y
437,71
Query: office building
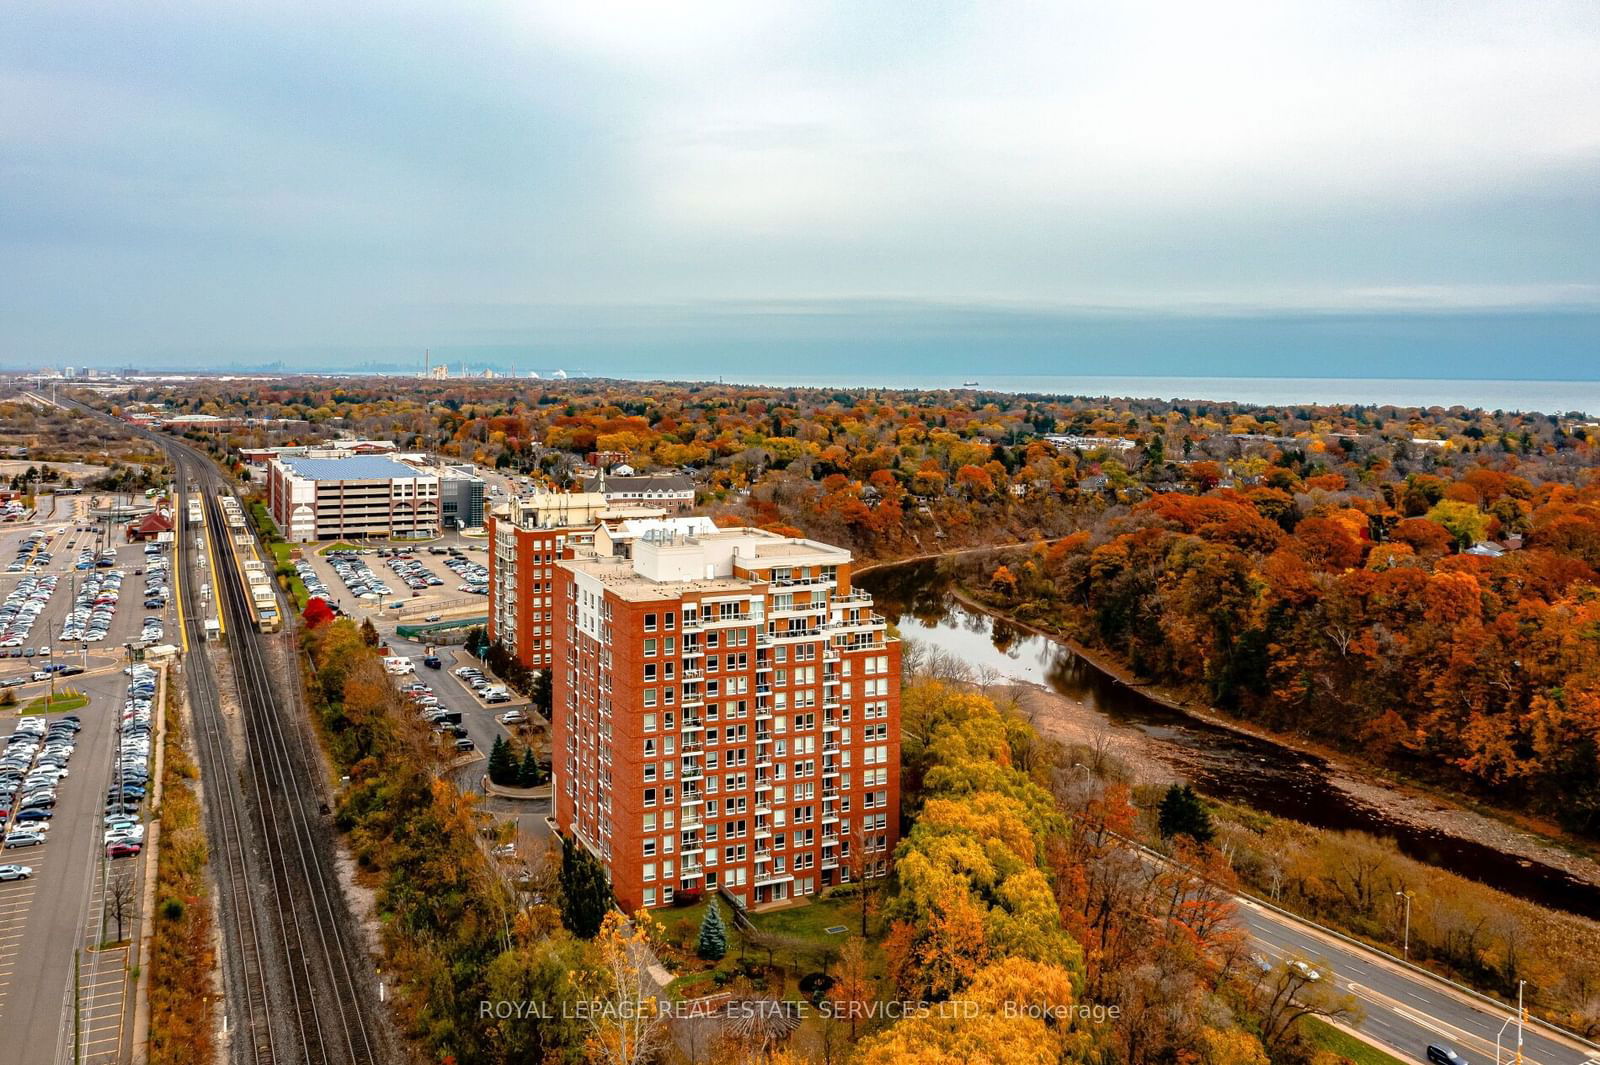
x,y
726,715
460,497
351,498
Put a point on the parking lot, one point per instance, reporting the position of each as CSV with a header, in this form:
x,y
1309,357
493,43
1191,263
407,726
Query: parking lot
x,y
69,866
77,605
377,580
482,724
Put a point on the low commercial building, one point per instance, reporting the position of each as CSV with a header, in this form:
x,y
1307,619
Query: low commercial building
x,y
726,717
351,498
670,491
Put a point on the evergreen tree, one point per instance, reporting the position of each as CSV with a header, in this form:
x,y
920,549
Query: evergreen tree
x,y
369,632
713,933
1183,814
528,772
502,769
585,890
541,695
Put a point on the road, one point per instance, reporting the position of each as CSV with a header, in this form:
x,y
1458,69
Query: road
x,y
1404,1010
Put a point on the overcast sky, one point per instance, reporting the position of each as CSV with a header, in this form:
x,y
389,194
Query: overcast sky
x,y
199,179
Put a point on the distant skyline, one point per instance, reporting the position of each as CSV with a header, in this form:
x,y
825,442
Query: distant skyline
x,y
1297,189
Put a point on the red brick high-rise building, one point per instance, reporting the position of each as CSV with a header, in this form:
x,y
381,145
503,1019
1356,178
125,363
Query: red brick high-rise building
x,y
526,537
726,715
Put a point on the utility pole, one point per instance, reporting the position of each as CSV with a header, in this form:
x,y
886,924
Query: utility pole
x,y
1407,946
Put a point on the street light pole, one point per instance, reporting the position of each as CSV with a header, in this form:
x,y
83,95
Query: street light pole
x,y
1406,949
1521,1013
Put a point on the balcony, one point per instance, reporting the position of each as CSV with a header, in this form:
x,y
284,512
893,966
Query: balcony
x,y
693,723
785,635
690,798
688,821
694,624
692,846
828,748
691,674
830,769
855,598
802,582
727,621
863,621
692,772
693,651
763,760
798,610
688,871
763,808
772,878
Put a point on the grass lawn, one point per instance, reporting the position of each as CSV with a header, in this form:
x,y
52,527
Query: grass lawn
x,y
63,702
339,545
1325,1036
283,555
800,945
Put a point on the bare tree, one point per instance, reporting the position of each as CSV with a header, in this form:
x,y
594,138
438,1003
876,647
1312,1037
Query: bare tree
x,y
120,900
1294,991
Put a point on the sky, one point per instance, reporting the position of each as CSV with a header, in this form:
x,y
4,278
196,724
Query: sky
x,y
616,185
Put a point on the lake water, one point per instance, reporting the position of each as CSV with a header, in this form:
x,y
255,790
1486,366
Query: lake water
x,y
1220,762
1545,396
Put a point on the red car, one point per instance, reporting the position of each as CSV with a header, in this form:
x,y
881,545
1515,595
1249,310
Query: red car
x,y
122,850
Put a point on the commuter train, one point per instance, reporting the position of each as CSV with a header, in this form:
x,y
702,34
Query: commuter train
x,y
253,571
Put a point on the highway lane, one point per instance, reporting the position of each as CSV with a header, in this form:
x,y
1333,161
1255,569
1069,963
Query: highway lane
x,y
1404,1010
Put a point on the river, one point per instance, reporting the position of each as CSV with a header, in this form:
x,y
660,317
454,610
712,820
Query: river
x,y
1220,762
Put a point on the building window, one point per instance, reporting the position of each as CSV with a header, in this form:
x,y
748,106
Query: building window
x,y
649,623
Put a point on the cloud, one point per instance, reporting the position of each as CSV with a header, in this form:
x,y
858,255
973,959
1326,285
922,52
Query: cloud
x,y
282,175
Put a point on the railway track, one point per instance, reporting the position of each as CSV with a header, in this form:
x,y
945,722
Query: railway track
x,y
328,958
226,824
321,1012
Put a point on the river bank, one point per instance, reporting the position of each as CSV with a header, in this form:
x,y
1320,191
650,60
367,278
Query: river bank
x,y
1083,696
1403,801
